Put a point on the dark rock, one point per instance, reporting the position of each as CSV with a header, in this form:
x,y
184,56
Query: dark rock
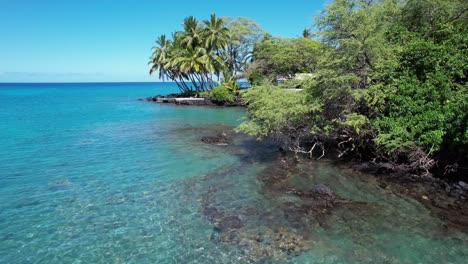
x,y
229,236
227,223
382,168
212,213
319,192
206,101
287,162
220,140
322,189
463,185
271,245
446,201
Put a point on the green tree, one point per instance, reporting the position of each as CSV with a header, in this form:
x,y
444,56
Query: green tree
x,y
160,56
426,95
390,83
244,33
192,58
279,58
216,33
193,32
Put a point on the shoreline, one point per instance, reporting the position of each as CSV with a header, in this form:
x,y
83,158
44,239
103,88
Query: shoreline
x,y
178,99
445,200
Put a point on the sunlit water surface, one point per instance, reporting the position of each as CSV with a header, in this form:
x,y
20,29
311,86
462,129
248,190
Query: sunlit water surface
x,y
88,174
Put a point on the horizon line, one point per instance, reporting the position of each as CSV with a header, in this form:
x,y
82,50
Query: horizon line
x,y
86,82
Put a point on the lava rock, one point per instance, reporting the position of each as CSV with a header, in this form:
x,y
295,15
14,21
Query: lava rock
x,y
220,140
227,223
323,190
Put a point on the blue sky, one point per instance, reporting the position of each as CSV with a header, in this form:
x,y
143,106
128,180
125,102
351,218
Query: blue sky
x,y
110,40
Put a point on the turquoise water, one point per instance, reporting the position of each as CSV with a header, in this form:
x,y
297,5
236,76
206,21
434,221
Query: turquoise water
x,y
88,174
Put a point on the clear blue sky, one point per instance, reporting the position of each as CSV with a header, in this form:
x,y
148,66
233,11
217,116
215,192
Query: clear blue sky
x,y
110,40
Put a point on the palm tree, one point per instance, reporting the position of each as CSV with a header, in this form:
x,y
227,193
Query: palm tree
x,y
216,40
195,64
160,56
194,55
192,32
216,33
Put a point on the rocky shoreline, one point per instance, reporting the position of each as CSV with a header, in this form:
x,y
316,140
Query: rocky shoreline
x,y
305,205
446,200
179,99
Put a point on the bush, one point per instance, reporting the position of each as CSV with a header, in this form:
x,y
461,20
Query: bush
x,y
272,109
220,93
255,77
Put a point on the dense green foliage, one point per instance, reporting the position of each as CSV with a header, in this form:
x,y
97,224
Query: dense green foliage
x,y
192,55
220,93
244,33
389,82
272,108
281,58
203,53
426,93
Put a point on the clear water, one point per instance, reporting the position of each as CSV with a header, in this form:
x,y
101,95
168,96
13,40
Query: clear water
x,y
90,175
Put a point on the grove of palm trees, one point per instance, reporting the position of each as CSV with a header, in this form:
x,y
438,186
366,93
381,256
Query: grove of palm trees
x,y
205,53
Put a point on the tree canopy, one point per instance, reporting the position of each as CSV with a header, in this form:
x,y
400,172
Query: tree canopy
x,y
205,52
244,34
281,58
389,83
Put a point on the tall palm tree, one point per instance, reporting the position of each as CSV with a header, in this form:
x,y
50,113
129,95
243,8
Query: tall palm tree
x,y
195,64
194,54
160,56
192,32
216,33
216,36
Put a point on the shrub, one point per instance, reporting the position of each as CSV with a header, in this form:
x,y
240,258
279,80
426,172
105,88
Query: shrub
x,y
220,93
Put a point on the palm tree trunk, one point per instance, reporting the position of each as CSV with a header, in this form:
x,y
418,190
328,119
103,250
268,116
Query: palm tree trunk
x,y
200,82
194,83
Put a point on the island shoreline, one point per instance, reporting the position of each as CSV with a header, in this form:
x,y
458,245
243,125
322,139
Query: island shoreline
x,y
178,99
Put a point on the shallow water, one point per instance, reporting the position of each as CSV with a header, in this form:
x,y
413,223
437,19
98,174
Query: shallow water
x,y
90,175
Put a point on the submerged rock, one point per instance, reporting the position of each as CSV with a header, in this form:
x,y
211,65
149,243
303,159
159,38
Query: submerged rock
x,y
219,140
226,223
273,244
230,228
212,213
323,190
319,193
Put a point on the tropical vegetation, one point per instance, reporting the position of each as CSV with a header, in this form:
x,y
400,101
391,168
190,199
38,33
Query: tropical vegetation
x,y
205,53
380,80
387,81
277,58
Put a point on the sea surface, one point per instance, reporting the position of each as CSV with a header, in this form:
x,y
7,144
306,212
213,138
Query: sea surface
x,y
89,174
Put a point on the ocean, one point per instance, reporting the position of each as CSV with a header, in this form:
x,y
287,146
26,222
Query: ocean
x,y
89,174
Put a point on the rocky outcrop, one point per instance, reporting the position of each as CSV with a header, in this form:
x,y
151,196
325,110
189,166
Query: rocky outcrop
x,y
184,100
219,140
446,200
230,228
